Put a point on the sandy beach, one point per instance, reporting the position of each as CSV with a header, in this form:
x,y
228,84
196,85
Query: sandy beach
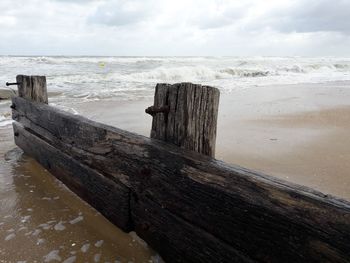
x,y
42,221
295,132
298,134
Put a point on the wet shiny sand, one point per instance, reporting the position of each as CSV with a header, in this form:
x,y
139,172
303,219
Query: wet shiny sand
x,y
42,221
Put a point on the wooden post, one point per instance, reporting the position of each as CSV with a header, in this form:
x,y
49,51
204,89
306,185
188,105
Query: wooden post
x,y
32,88
185,114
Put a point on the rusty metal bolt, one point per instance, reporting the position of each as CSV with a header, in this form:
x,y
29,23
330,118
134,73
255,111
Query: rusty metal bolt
x,y
13,83
152,110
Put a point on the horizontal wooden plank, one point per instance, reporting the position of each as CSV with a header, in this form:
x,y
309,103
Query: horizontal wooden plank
x,y
93,155
270,225
108,197
261,217
179,240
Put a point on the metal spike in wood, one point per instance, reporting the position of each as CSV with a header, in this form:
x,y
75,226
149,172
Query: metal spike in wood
x,y
32,88
185,114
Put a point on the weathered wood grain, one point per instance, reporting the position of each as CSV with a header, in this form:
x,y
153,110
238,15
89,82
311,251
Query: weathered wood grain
x,y
179,240
191,121
33,88
258,217
255,218
109,198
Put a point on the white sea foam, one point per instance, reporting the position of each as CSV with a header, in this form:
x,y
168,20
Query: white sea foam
x,y
70,259
10,236
97,258
52,256
94,78
28,233
59,226
22,228
157,259
76,220
36,232
45,226
25,219
99,243
5,121
40,241
85,248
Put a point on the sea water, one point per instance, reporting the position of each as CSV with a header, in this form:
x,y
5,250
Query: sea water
x,y
132,78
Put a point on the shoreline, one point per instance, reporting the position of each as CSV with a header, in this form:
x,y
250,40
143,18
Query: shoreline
x,y
296,133
282,131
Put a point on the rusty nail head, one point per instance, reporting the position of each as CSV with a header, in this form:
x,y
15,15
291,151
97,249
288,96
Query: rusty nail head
x,y
152,110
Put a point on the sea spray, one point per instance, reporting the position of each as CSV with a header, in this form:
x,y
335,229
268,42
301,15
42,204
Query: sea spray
x,y
81,79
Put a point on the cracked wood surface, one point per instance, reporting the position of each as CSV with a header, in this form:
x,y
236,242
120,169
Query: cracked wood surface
x,y
191,121
33,88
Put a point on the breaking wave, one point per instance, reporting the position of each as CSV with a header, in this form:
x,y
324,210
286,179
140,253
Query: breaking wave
x,y
93,78
5,120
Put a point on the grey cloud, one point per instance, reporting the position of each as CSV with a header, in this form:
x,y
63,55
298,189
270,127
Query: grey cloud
x,y
77,1
312,16
121,12
228,16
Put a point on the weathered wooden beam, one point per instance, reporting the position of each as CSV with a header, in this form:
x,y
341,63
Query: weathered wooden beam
x,y
109,198
258,217
185,114
179,240
32,88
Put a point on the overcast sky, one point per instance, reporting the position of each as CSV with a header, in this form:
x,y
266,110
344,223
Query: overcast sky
x,y
175,27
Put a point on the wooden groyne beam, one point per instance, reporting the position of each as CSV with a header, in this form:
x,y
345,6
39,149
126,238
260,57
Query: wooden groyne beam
x,y
188,206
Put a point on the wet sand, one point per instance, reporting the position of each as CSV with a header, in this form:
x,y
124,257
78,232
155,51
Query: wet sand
x,y
298,133
42,221
310,148
295,132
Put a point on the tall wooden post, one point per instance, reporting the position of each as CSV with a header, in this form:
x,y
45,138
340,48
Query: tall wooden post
x,y
185,114
33,88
